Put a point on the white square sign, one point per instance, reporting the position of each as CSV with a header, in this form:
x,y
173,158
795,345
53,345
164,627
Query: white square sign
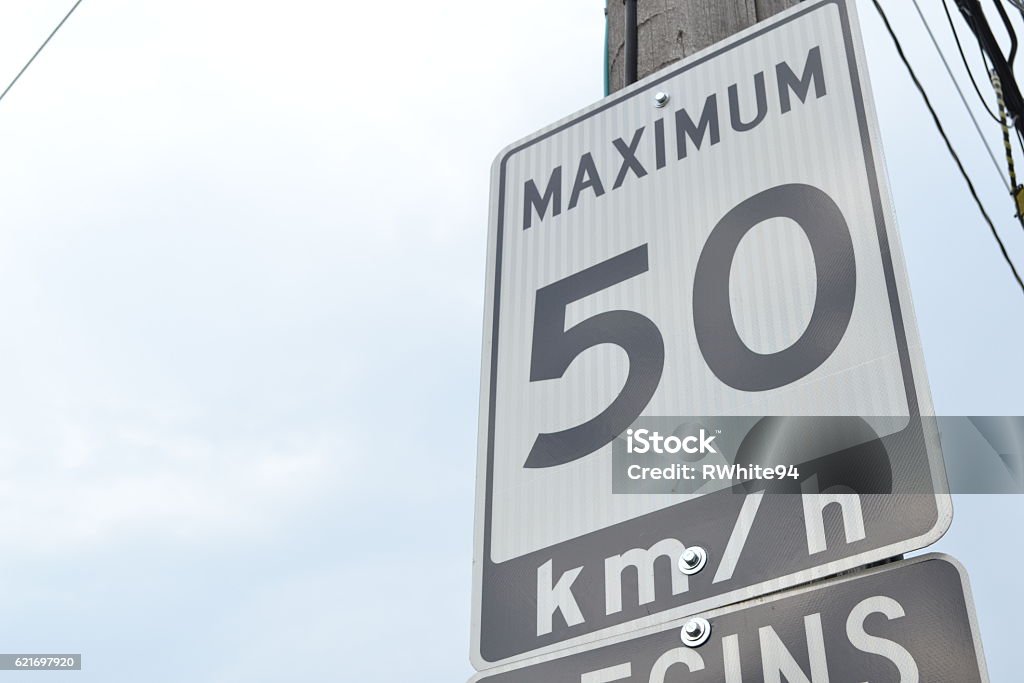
x,y
731,252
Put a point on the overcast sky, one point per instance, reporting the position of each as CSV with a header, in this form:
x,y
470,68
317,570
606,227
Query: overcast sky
x,y
241,278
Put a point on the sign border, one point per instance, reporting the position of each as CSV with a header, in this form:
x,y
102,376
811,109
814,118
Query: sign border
x,y
918,394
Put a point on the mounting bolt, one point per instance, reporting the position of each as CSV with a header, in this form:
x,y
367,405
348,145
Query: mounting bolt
x,y
692,560
661,99
695,632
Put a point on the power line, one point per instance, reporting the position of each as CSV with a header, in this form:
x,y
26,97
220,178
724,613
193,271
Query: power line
x,y
1018,191
960,92
945,138
1008,26
967,67
29,62
979,27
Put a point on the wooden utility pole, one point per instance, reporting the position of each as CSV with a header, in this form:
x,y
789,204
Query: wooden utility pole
x,y
669,30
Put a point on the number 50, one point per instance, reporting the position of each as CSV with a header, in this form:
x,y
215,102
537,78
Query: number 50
x,y
736,365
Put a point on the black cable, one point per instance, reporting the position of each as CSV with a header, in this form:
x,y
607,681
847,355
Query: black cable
x,y
974,15
963,58
949,145
29,62
1016,188
630,42
960,93
1009,30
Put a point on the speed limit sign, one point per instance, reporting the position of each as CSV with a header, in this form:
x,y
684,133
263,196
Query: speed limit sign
x,y
716,240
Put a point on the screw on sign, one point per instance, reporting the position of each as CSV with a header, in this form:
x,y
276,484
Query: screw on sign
x,y
696,632
692,560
